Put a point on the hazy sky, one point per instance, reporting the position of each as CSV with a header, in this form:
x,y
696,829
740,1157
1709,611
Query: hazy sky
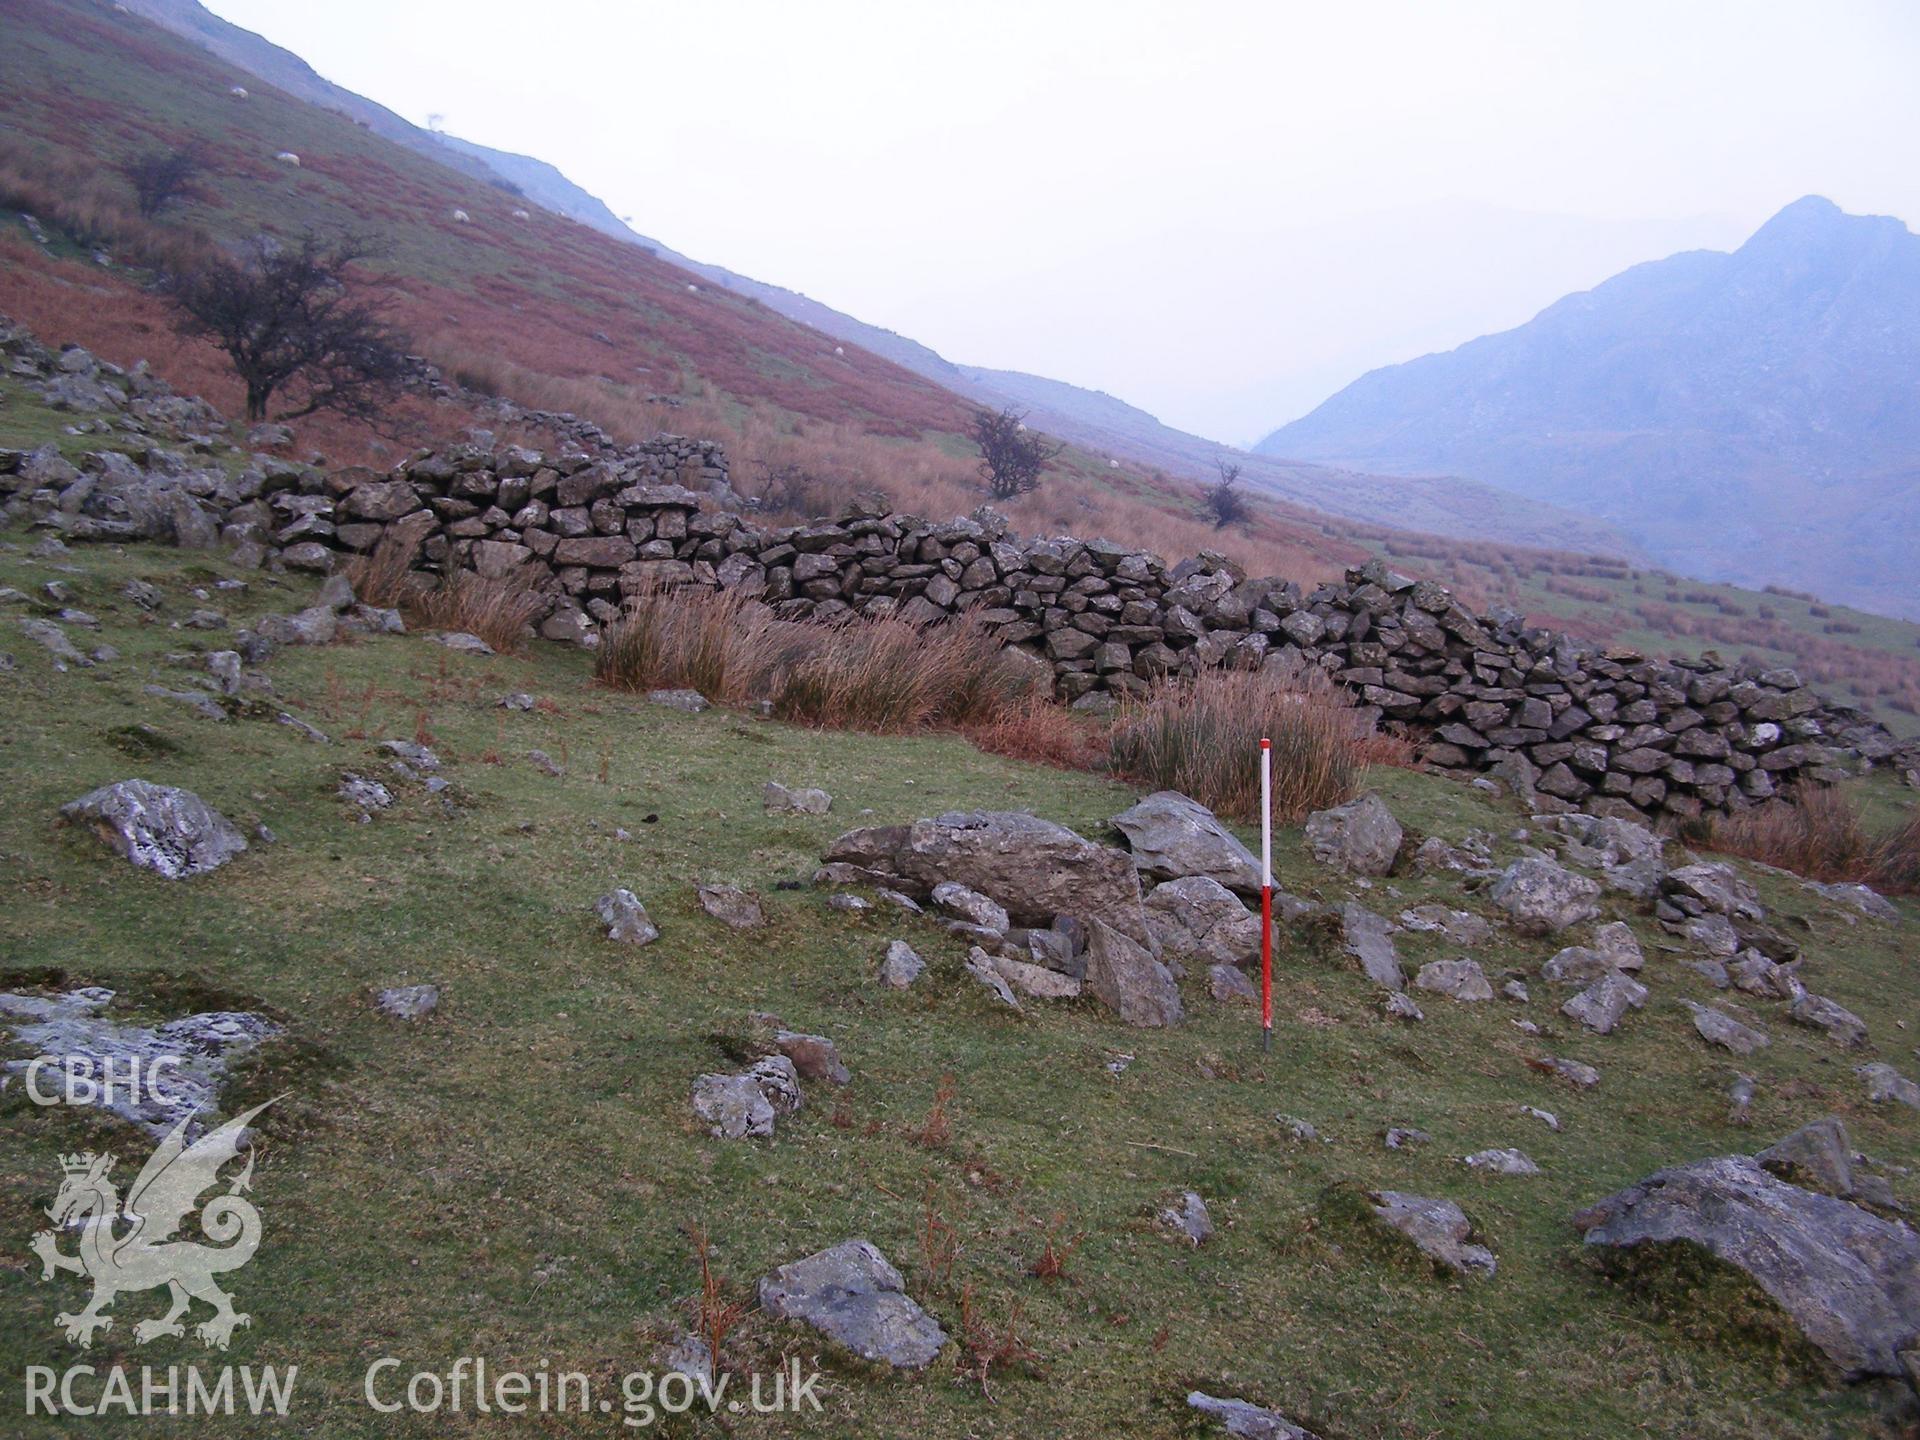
x,y
1220,212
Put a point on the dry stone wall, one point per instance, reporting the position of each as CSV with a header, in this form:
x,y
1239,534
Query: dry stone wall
x,y
1599,728
1603,729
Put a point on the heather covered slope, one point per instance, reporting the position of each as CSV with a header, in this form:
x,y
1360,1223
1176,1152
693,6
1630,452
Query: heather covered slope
x,y
1741,417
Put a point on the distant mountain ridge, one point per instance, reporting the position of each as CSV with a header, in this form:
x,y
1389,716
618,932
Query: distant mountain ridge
x,y
1750,416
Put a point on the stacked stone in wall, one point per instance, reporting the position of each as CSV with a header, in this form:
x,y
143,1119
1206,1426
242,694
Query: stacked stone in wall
x,y
1585,726
1594,727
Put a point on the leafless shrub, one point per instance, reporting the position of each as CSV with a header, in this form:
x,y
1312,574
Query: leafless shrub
x,y
1012,457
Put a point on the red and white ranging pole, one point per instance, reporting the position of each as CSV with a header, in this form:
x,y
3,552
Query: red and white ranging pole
x,y
1266,894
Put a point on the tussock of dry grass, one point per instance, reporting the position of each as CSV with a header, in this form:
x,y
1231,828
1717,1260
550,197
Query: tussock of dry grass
x,y
1816,832
1201,736
879,675
501,612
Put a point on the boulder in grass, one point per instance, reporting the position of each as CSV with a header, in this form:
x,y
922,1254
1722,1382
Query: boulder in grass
x,y
850,1294
1244,1420
1199,921
1034,869
1716,1027
902,965
1847,1279
730,905
1461,979
1174,838
626,918
777,799
1439,1228
1543,897
1601,1005
1125,978
1369,939
1360,837
169,831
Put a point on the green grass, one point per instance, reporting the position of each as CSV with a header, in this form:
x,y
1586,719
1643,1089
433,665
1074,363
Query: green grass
x,y
509,1178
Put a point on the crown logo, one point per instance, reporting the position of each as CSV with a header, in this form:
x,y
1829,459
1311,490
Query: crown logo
x,y
77,1164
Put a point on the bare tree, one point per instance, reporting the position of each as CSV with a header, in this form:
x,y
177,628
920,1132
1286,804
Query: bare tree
x,y
163,177
1224,503
297,320
1012,457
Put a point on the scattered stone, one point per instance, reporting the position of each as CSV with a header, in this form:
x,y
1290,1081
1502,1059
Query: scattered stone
x,y
1360,837
1199,921
1600,1006
731,905
779,800
971,906
1125,978
981,967
814,1056
904,902
464,643
1712,887
626,918
1462,927
1575,1073
545,763
1401,1006
902,965
1887,1085
519,700
302,728
849,903
1304,1131
1245,1420
1229,985
1501,1162
1038,981
733,1106
1034,868
1400,1137
1545,1117
1716,1027
317,625
1617,942
1740,1098
368,795
1461,979
1175,838
1369,939
1542,897
410,1002
54,639
198,701
1516,991
1840,1023
198,1050
779,1081
690,702
1816,1157
1439,1228
170,831
855,1298
414,753
1849,1280
1188,1218
1865,899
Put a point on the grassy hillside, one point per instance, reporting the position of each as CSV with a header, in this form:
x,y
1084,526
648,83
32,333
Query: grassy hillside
x,y
511,1177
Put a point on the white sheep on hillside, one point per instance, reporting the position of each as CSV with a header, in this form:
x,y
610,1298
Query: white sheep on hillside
x,y
239,92
460,217
523,214
839,349
693,289
287,157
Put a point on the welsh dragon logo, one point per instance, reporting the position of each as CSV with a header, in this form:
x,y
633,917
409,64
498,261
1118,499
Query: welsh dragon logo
x,y
131,1245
